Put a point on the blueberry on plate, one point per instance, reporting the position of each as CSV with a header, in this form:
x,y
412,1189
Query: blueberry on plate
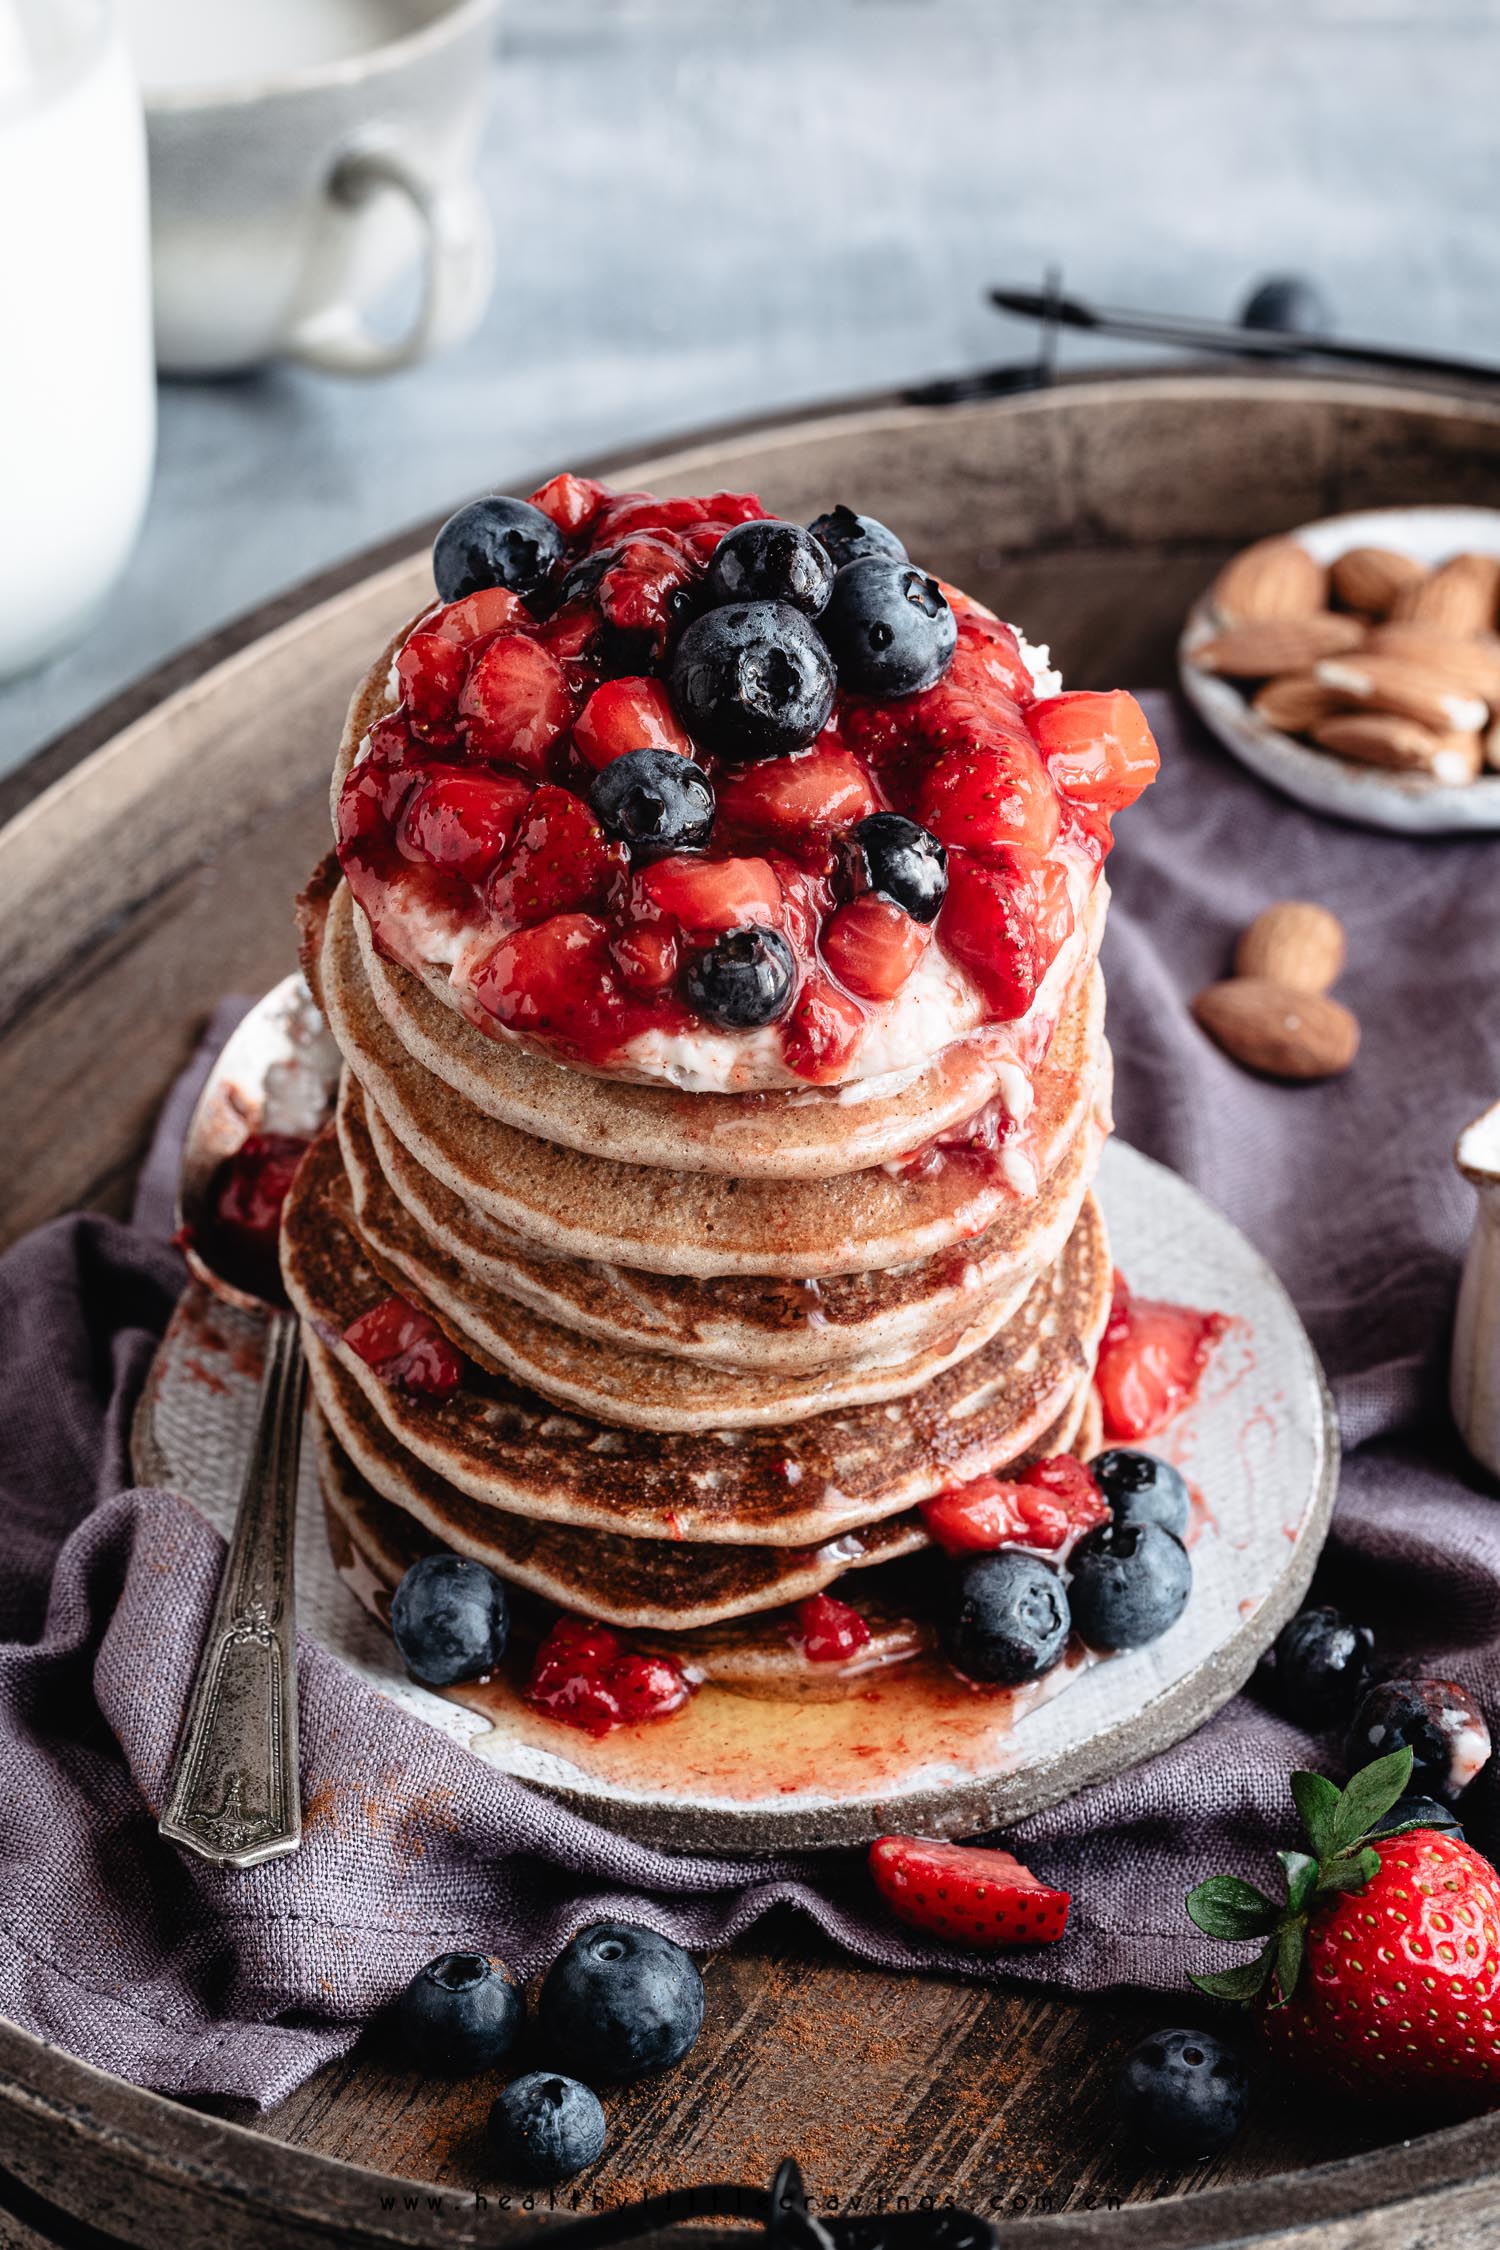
x,y
462,2012
890,854
744,979
495,542
1184,2092
1438,1720
1141,1489
1288,300
1321,1665
450,1619
545,2128
1004,1618
771,561
752,680
889,626
848,536
1130,1582
1426,1812
620,2000
655,801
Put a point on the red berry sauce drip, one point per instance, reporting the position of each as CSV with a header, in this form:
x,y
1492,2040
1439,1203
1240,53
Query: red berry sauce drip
x,y
1151,1361
1049,1506
585,1677
829,1631
465,831
407,1349
245,1197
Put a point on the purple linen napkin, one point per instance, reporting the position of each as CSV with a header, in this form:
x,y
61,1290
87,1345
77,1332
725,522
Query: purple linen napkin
x,y
180,1977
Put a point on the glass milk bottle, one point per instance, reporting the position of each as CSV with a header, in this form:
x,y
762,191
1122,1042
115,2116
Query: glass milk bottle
x,y
77,396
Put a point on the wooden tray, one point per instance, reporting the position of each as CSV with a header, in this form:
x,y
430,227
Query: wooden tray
x,y
146,869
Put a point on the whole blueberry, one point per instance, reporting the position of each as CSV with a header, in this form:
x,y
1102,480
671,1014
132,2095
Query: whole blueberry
x,y
1438,1720
744,979
1004,1619
752,680
450,1619
772,561
620,2000
545,2128
1185,2092
1130,1582
1141,1489
1321,1665
655,801
1288,301
892,855
848,536
495,542
462,2012
889,627
1426,1811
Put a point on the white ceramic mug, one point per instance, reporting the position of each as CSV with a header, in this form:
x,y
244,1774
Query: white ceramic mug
x,y
77,396
303,154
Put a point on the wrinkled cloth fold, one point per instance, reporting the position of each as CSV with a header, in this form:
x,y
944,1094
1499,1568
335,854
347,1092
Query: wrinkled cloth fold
x,y
237,1985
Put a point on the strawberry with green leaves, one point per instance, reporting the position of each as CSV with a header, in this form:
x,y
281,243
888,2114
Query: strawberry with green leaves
x,y
1380,1973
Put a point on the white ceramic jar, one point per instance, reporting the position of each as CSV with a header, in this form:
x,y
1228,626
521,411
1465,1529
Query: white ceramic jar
x,y
77,389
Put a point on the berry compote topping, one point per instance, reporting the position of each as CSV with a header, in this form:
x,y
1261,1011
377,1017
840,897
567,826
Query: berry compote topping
x,y
1151,1361
586,1677
829,1631
406,1348
1050,1506
677,790
245,1197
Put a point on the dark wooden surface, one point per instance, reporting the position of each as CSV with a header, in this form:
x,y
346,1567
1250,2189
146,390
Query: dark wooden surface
x,y
158,875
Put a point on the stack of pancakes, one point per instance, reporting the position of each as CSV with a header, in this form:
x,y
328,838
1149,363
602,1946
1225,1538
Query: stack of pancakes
x,y
718,1347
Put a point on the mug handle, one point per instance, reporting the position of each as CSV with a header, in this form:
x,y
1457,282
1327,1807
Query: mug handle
x,y
458,263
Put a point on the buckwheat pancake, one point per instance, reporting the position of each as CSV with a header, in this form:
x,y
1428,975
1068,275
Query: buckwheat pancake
x,y
412,1226
793,1485
394,1509
565,1202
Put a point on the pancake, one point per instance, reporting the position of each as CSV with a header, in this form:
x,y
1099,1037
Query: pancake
x,y
797,1485
730,1321
394,1510
565,1202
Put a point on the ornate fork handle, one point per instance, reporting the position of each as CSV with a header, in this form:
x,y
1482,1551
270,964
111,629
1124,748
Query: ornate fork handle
x,y
234,1796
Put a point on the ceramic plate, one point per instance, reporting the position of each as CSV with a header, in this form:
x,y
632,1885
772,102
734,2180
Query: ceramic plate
x,y
919,1751
1413,803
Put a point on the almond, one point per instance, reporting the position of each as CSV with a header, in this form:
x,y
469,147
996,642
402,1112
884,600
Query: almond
x,y
1399,684
1492,746
1370,578
1274,578
1271,645
1292,943
1296,702
1379,738
1459,597
1471,666
1460,757
1281,1033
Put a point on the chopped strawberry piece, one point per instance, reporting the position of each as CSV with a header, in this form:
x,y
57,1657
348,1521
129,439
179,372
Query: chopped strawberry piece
x,y
249,1187
1050,1505
641,511
646,1687
986,925
630,714
1097,748
648,956
572,502
799,802
560,863
829,1631
584,1676
638,592
993,797
515,702
820,1031
493,609
983,689
430,670
406,1348
1151,1361
872,945
462,820
966,1894
555,980
709,895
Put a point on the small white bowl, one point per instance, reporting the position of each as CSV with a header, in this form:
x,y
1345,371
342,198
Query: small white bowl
x,y
1413,803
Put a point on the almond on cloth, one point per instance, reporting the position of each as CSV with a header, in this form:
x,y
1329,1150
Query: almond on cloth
x,y
1267,647
1274,578
1293,943
1297,702
1461,596
1279,1032
1404,685
1381,738
1370,578
1471,666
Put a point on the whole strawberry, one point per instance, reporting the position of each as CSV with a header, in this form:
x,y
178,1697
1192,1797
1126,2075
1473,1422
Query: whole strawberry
x,y
1380,1974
